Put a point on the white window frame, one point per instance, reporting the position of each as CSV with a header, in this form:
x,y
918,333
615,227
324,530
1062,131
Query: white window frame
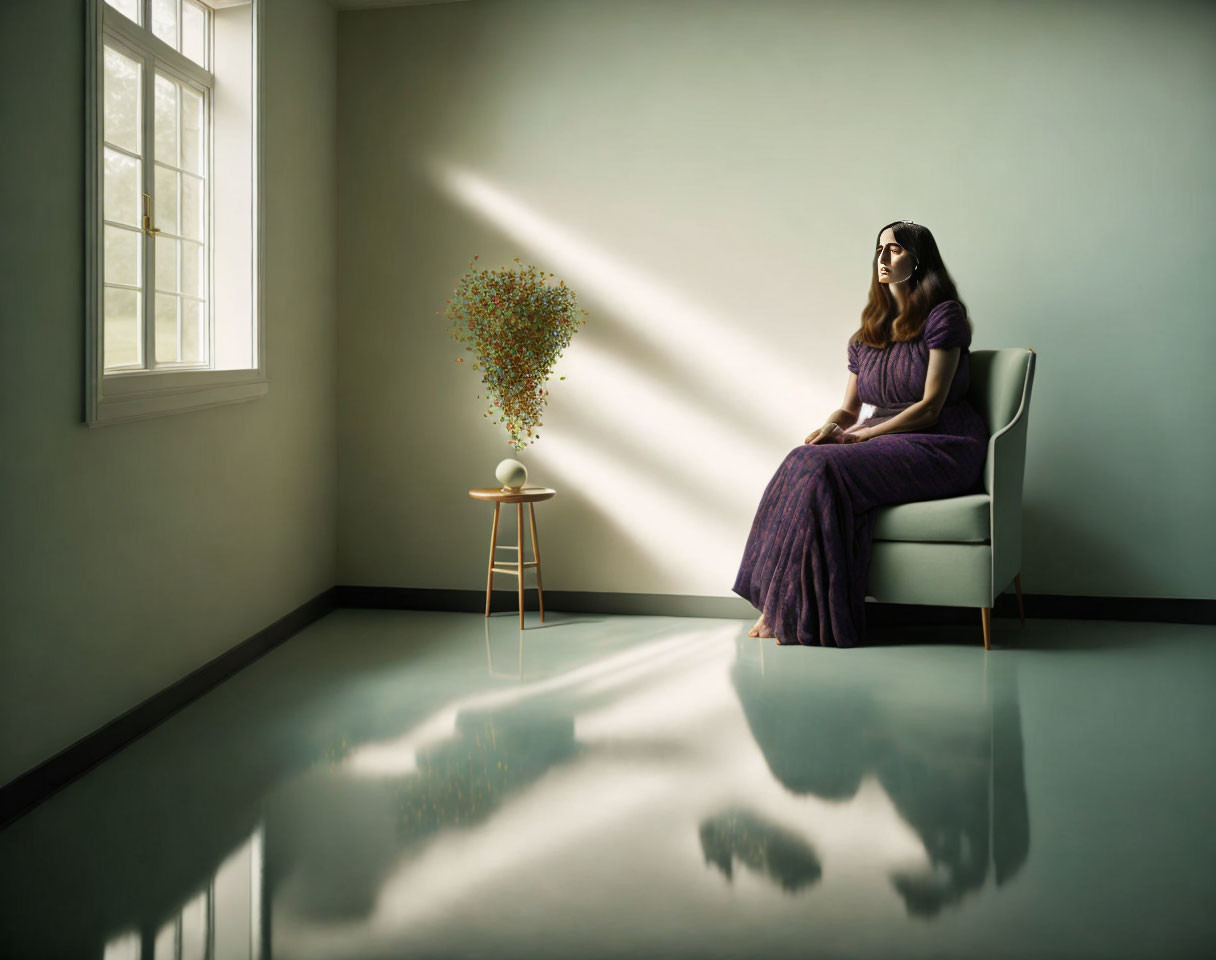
x,y
139,394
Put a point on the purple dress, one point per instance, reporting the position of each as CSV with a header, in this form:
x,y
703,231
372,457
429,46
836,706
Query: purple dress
x,y
808,554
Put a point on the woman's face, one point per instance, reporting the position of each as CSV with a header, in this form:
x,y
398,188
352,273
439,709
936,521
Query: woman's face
x,y
895,264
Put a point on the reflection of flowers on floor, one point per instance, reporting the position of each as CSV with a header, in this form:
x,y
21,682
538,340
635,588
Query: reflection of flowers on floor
x,y
334,750
462,780
763,847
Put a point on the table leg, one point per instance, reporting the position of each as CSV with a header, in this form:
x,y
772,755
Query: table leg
x,y
493,547
540,589
519,546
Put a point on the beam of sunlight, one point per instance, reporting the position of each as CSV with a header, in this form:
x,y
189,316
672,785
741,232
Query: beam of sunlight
x,y
399,756
542,820
690,507
618,779
538,823
678,699
694,436
707,549
676,657
703,340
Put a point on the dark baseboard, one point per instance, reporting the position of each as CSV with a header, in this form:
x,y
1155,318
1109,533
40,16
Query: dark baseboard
x,y
1042,606
28,790
1047,606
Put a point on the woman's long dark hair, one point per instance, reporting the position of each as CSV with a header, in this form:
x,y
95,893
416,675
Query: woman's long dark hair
x,y
881,321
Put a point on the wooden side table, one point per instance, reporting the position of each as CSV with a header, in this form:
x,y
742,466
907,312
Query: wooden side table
x,y
530,496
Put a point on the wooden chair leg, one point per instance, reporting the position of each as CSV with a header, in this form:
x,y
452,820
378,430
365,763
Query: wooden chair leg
x,y
540,589
986,617
493,547
1017,583
519,546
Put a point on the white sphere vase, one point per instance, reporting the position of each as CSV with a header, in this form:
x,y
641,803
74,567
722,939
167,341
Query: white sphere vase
x,y
512,475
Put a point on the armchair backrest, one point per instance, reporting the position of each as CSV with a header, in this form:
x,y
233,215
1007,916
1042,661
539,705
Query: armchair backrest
x,y
1000,388
1000,391
997,381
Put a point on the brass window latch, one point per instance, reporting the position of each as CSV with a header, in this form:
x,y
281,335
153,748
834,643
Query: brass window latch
x,y
148,228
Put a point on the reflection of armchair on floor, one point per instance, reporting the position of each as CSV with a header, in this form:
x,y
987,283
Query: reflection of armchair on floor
x,y
950,761
965,551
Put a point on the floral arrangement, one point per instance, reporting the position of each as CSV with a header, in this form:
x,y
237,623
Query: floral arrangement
x,y
516,324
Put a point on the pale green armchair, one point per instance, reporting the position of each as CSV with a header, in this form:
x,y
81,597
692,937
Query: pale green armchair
x,y
965,551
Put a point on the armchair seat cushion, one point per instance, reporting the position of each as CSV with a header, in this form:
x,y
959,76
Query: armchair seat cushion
x,y
953,520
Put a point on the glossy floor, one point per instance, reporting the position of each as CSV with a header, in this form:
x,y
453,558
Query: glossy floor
x,y
398,783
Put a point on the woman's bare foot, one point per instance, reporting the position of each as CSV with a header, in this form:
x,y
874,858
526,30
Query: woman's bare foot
x,y
761,629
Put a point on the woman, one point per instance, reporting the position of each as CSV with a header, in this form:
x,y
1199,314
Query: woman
x,y
808,555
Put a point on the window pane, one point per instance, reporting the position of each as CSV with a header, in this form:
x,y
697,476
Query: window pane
x,y
120,333
164,21
192,207
122,255
166,264
192,131
125,946
165,216
193,271
122,79
194,32
128,8
194,928
166,121
120,188
166,328
192,331
166,941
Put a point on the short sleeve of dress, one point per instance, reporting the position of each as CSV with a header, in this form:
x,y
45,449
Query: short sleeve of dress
x,y
946,327
854,346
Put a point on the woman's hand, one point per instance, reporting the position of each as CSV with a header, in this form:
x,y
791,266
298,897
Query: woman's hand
x,y
828,433
855,436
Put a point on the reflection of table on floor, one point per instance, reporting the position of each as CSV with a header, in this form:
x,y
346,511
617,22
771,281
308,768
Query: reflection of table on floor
x,y
530,496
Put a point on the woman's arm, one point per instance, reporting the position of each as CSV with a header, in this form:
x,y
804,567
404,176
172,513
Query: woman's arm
x,y
923,413
844,418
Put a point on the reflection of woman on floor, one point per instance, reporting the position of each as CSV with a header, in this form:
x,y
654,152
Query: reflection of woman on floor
x,y
808,554
945,746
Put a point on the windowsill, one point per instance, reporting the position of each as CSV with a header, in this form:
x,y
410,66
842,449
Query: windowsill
x,y
146,382
153,393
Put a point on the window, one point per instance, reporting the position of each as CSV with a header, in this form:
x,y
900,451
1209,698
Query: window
x,y
173,215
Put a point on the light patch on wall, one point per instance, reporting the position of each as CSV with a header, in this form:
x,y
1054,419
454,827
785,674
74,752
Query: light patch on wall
x,y
671,321
684,463
707,543
696,433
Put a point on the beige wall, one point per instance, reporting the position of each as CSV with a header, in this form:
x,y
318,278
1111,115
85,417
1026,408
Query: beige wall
x,y
710,177
134,553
